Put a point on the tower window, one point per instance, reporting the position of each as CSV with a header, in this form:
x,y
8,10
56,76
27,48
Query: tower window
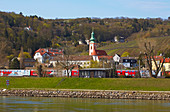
x,y
91,47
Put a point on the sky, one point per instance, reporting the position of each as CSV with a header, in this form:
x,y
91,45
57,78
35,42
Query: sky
x,y
52,9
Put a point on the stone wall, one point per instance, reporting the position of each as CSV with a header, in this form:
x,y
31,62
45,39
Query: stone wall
x,y
111,94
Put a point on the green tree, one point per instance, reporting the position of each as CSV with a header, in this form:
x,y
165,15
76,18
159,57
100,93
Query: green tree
x,y
125,54
94,64
25,55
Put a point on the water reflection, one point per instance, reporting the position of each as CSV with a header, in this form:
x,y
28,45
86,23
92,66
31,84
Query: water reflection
x,y
44,104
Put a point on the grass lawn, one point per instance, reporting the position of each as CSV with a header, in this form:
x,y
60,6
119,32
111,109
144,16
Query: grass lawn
x,y
148,84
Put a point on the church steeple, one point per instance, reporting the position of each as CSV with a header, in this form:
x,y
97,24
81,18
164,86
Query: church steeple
x,y
92,45
92,39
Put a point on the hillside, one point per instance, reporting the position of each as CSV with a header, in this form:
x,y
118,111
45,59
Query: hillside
x,y
33,32
133,48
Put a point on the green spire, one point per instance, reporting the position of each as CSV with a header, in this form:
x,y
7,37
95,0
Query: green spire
x,y
92,39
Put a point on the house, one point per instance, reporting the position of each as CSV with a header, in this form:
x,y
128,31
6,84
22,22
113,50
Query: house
x,y
119,39
87,41
103,58
166,64
80,42
129,61
29,62
28,28
44,54
158,60
116,58
82,61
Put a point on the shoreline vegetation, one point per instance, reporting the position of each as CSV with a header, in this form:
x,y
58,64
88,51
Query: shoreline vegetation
x,y
107,88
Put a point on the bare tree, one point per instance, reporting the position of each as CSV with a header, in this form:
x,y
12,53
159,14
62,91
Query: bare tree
x,y
66,60
3,49
21,58
40,69
149,54
66,63
148,48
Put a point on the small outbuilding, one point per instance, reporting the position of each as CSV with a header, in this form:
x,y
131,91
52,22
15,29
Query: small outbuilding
x,y
97,73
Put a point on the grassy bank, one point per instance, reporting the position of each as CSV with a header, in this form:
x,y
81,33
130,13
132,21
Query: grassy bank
x,y
149,84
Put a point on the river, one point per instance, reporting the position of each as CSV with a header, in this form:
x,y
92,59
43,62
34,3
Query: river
x,y
44,104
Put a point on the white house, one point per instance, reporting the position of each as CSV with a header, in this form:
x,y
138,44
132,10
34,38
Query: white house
x,y
41,57
116,58
42,54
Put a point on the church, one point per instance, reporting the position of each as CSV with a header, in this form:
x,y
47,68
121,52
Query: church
x,y
97,54
92,48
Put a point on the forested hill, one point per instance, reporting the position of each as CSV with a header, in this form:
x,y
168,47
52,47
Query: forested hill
x,y
51,32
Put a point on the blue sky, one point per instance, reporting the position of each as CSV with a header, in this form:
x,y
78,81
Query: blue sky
x,y
51,9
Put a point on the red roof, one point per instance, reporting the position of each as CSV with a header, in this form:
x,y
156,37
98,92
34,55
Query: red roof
x,y
41,51
51,52
167,60
99,53
160,58
106,57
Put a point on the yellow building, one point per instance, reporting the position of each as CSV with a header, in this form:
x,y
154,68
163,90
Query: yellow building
x,y
166,65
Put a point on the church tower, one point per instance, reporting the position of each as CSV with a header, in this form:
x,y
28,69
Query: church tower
x,y
92,45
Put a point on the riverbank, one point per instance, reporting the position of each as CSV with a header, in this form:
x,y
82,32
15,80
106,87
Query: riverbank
x,y
134,84
103,94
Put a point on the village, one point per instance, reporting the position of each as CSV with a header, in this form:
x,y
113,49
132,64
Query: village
x,y
50,62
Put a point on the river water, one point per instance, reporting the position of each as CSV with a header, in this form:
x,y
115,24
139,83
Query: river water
x,y
44,104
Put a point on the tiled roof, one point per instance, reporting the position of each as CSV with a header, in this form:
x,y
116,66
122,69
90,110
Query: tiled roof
x,y
41,51
167,60
99,53
106,57
160,58
51,52
72,58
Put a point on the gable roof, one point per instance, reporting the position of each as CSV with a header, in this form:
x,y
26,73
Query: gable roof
x,y
50,51
41,51
117,55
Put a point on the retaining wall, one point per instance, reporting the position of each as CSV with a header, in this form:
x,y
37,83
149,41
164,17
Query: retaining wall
x,y
145,95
